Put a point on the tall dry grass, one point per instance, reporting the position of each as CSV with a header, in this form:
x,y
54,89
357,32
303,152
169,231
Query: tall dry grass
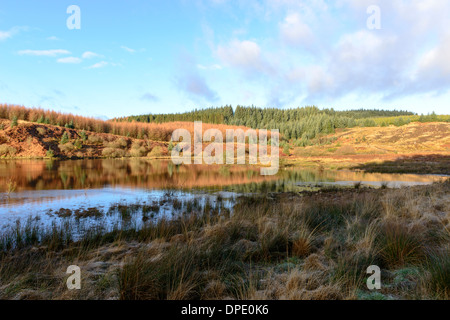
x,y
269,246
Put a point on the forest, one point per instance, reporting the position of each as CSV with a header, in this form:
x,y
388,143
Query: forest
x,y
302,124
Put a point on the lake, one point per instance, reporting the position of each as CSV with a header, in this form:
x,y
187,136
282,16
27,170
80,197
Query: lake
x,y
43,189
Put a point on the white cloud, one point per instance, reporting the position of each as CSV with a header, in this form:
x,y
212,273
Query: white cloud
x,y
100,64
417,16
5,35
90,55
211,67
128,49
72,60
408,56
362,62
46,53
10,33
294,31
53,38
437,59
432,72
240,53
245,55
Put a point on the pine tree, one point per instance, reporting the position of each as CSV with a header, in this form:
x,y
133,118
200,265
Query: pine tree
x,y
65,138
14,122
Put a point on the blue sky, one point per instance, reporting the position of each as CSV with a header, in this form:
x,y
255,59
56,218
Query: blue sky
x,y
136,57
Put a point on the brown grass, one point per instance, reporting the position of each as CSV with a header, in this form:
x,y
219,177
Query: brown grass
x,y
277,246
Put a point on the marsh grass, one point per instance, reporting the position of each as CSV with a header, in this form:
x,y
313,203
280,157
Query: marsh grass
x,y
439,267
172,276
302,242
267,246
350,270
400,245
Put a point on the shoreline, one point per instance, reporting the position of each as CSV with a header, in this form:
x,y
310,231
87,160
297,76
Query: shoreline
x,y
436,163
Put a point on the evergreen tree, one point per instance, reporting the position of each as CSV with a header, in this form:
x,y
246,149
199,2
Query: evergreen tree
x,y
65,138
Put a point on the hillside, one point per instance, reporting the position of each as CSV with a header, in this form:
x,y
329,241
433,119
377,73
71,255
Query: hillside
x,y
299,124
412,145
416,145
32,140
38,140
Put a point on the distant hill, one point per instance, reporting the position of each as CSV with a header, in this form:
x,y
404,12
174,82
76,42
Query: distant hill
x,y
226,115
300,123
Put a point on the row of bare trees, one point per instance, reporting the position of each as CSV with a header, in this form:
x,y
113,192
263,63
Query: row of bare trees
x,y
158,132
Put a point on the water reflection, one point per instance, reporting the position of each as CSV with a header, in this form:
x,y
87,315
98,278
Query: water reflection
x,y
41,186
35,175
132,173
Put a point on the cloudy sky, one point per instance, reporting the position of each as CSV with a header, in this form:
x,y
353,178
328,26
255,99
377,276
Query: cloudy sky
x,y
135,57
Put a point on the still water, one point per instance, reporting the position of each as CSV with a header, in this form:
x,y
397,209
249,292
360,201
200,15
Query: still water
x,y
39,188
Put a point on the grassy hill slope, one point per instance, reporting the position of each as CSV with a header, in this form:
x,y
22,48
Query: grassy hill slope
x,y
416,146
